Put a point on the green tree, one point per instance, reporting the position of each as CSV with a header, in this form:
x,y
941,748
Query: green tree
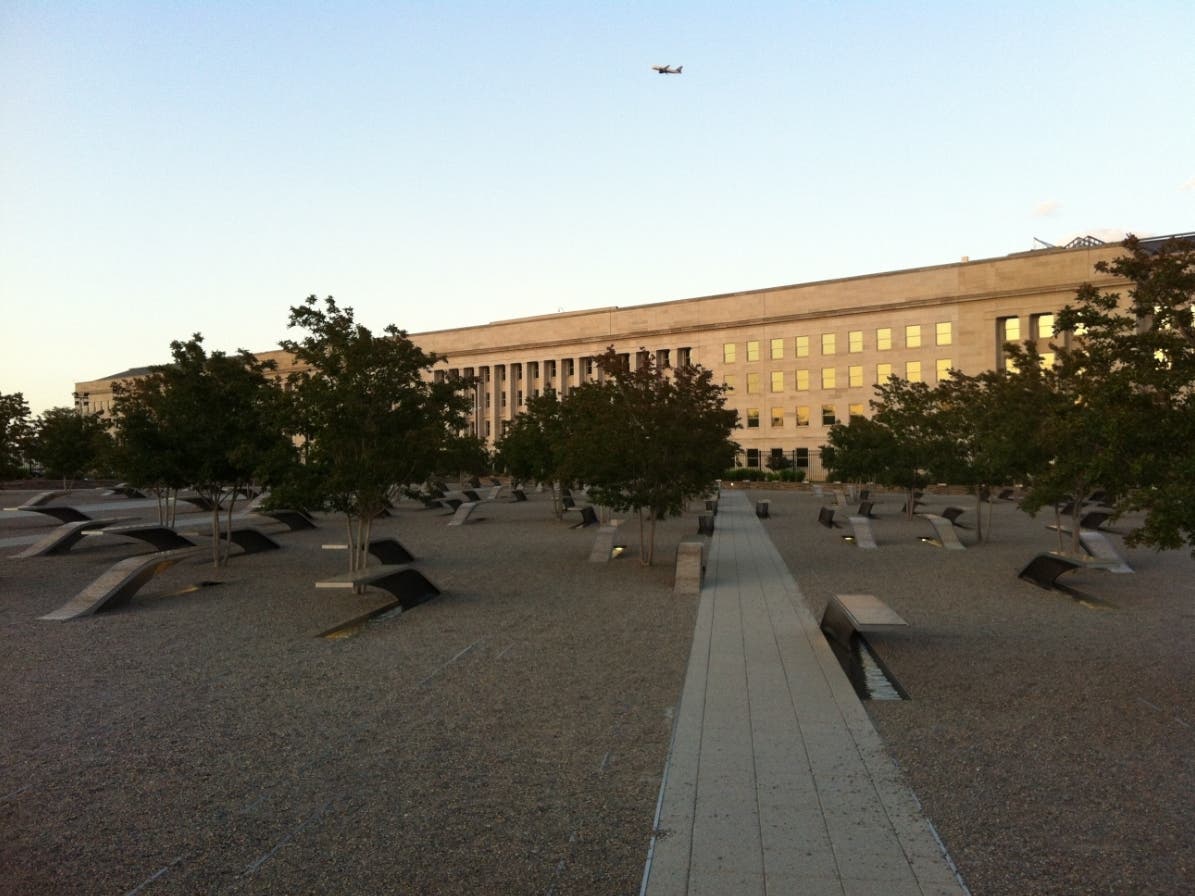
x,y
14,433
210,422
647,440
369,416
69,444
902,445
532,447
1129,374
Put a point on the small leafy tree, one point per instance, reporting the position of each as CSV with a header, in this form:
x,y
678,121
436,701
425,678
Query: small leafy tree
x,y
899,446
532,447
14,432
1130,372
647,441
210,422
69,444
369,418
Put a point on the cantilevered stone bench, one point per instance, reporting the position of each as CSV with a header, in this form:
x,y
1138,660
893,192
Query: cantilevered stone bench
x,y
1098,545
588,517
864,537
62,538
604,544
690,568
252,541
294,520
389,551
62,513
161,538
463,512
118,585
944,530
409,587
863,613
952,514
825,516
38,500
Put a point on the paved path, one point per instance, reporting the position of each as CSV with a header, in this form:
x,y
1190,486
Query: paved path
x,y
777,782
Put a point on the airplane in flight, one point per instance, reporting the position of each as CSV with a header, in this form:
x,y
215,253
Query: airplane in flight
x,y
667,69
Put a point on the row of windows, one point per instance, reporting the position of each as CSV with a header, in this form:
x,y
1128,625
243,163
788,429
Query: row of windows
x,y
913,371
829,416
943,334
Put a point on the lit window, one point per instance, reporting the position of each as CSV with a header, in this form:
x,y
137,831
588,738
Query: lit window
x,y
1047,360
883,371
753,350
777,416
913,336
728,353
1010,365
828,418
802,415
777,380
828,344
884,338
942,369
1044,326
828,379
913,371
855,341
777,349
802,346
731,381
943,333
802,380
753,384
753,418
855,375
1010,329
854,410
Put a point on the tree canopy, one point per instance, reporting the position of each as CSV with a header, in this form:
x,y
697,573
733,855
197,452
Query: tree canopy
x,y
647,440
14,432
69,444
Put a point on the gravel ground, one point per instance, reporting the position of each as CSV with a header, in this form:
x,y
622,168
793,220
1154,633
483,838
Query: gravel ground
x,y
1048,738
507,737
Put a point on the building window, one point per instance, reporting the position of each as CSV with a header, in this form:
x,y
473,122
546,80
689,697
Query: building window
x,y
1047,360
777,417
828,379
802,415
884,338
943,333
753,384
728,353
684,356
1008,329
828,344
802,458
854,341
854,410
802,380
753,418
1043,326
802,346
913,336
753,457
855,376
753,350
942,369
518,398
883,371
828,418
730,380
913,371
487,429
777,349
777,380
503,403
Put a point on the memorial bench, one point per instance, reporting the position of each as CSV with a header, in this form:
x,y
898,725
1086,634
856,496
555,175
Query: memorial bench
x,y
1045,569
63,514
944,530
863,536
847,614
62,538
825,516
294,520
690,568
118,585
409,587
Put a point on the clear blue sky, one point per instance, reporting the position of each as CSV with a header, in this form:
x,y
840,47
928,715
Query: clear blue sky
x,y
171,167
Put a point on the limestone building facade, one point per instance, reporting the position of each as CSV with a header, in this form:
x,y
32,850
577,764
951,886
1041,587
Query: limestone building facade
x,y
797,358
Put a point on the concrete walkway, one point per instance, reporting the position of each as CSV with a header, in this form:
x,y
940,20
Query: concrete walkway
x,y
777,782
